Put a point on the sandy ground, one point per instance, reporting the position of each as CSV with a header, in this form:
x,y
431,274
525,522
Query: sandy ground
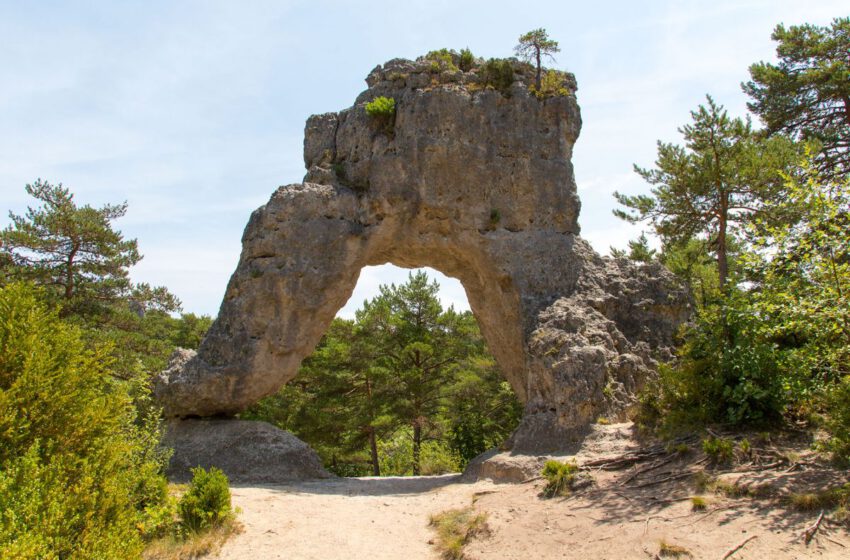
x,y
621,517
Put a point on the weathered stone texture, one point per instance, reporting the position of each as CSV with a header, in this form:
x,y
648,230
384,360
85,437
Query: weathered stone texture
x,y
476,184
248,452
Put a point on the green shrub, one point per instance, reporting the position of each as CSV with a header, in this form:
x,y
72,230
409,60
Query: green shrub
x,y
441,60
382,111
720,450
435,457
838,420
381,107
725,374
560,478
79,470
698,503
498,73
467,60
552,84
206,504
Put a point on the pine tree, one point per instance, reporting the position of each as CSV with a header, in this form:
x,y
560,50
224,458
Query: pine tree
x,y
535,45
722,177
807,95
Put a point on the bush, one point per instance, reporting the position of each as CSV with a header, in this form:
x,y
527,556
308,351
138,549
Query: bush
x,y
552,84
560,478
207,502
435,457
78,468
725,374
498,73
382,110
838,420
719,450
441,60
467,60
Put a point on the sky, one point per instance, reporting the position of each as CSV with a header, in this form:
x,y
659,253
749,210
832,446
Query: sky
x,y
193,111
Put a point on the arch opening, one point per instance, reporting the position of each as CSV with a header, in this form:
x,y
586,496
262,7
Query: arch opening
x,y
401,383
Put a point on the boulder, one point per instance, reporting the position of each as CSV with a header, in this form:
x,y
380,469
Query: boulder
x,y
248,452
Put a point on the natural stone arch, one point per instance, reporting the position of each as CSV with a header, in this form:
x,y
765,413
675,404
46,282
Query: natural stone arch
x,y
472,182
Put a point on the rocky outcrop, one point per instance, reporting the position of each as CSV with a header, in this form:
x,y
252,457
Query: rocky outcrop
x,y
248,452
474,182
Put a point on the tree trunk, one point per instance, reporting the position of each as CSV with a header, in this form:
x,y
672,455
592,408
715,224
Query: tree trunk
x,y
373,448
417,443
69,273
537,79
722,260
373,440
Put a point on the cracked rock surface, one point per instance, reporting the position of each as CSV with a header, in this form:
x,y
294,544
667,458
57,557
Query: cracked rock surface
x,y
471,181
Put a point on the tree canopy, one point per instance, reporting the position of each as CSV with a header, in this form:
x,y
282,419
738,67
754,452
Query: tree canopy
x,y
807,94
723,175
74,252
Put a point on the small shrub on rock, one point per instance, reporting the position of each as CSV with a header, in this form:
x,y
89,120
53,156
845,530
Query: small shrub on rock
x,y
467,60
382,110
553,84
207,502
498,73
441,60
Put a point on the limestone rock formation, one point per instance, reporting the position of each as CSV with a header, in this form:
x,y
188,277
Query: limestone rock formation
x,y
472,181
248,452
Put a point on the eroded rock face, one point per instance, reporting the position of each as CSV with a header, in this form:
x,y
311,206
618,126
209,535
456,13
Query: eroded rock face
x,y
470,181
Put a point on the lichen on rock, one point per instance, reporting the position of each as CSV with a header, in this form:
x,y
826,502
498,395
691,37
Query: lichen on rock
x,y
471,182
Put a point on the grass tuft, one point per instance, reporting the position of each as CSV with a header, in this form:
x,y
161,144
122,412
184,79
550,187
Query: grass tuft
x,y
828,499
668,550
698,503
454,529
560,478
193,546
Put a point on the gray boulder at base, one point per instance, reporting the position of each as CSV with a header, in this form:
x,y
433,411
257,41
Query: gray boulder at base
x,y
248,452
475,183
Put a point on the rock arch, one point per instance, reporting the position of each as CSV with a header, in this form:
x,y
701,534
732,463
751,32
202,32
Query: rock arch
x,y
473,182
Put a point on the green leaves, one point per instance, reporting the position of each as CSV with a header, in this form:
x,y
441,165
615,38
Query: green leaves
x,y
723,176
807,95
74,252
78,466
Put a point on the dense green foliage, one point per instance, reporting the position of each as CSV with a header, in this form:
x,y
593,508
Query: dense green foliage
x,y
443,60
382,111
553,84
406,388
80,460
466,61
807,95
771,338
206,504
497,73
78,466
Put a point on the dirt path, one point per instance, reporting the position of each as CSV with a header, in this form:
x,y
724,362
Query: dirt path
x,y
625,515
355,518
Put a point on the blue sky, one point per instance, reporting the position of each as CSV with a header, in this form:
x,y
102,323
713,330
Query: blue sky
x,y
193,111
